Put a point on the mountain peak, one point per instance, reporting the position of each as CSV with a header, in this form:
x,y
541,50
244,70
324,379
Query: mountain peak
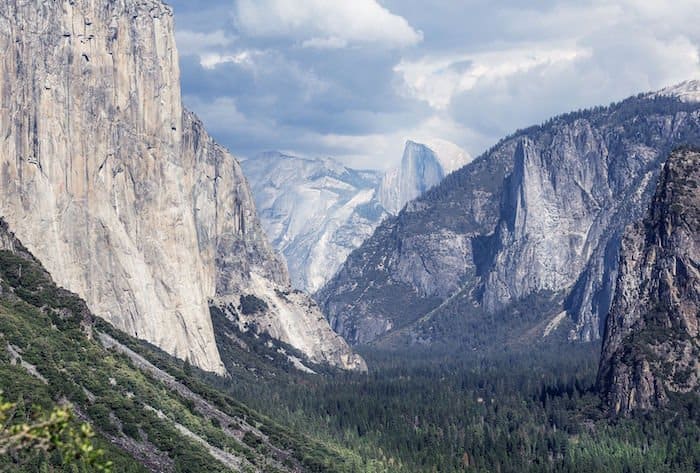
x,y
424,165
520,224
450,155
686,91
315,211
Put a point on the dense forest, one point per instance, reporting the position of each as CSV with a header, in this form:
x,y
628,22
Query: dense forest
x,y
420,411
518,409
538,412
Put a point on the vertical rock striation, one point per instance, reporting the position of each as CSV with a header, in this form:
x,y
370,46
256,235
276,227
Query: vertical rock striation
x,y
112,185
652,340
317,211
540,215
92,174
422,167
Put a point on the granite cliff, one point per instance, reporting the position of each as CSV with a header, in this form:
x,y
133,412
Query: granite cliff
x,y
317,211
521,243
423,166
651,348
122,194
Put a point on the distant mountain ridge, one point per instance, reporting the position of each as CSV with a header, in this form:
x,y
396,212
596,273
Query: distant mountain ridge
x,y
316,211
521,242
686,91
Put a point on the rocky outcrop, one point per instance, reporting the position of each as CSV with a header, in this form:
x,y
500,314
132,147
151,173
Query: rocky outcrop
x,y
687,91
651,347
114,187
539,215
8,241
422,167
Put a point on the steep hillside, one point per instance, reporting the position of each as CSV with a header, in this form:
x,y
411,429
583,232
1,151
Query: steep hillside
x,y
651,348
53,350
520,244
122,194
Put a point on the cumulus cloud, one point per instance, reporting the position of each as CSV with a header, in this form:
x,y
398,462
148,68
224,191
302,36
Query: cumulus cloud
x,y
325,25
354,79
622,48
438,80
210,60
195,42
212,48
384,150
331,42
550,58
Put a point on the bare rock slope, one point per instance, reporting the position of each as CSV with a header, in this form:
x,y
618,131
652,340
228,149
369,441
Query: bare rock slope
x,y
317,211
120,192
523,234
652,342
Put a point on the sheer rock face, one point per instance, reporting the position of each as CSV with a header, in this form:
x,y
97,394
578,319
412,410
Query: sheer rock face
x,y
561,213
542,213
652,341
119,192
317,211
422,167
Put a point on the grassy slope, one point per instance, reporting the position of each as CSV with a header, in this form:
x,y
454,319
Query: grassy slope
x,y
52,330
413,413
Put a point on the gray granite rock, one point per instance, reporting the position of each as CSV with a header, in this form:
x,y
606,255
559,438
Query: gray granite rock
x,y
652,343
540,214
116,189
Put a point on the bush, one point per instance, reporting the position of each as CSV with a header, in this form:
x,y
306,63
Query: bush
x,y
252,305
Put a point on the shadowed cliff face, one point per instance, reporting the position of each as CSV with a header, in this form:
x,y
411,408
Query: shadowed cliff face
x,y
540,216
652,341
120,192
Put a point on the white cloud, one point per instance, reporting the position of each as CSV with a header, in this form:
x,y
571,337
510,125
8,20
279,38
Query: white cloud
x,y
478,74
616,68
325,24
213,48
196,43
664,15
552,60
384,150
219,114
212,60
332,42
437,80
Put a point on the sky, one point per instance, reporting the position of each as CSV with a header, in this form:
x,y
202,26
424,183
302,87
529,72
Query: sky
x,y
354,79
